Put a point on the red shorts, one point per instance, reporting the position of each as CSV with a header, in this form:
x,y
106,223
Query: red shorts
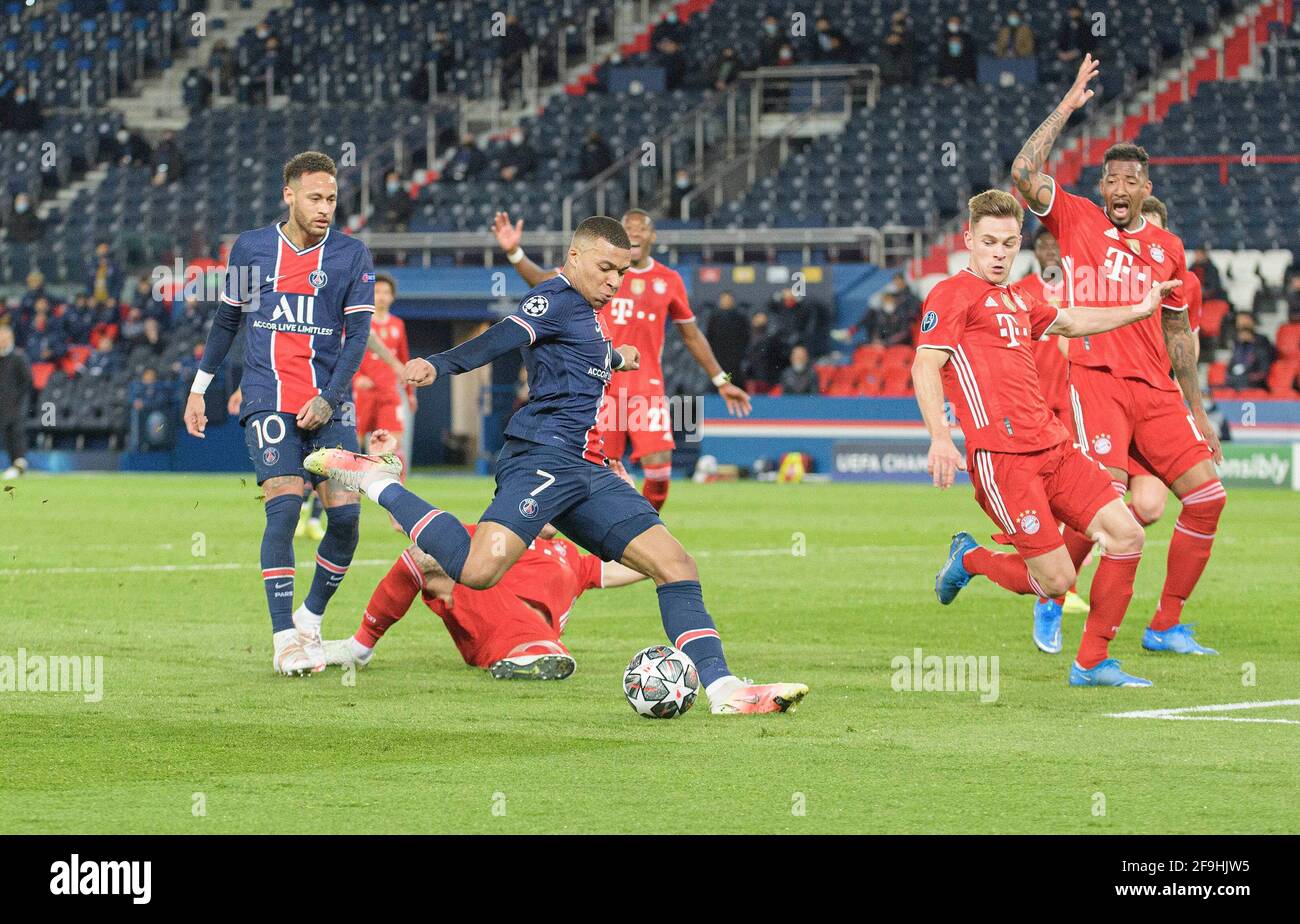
x,y
377,412
1136,468
1118,418
487,624
645,419
1028,494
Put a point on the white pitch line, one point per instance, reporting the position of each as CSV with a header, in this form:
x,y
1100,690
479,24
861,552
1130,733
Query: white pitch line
x,y
1181,714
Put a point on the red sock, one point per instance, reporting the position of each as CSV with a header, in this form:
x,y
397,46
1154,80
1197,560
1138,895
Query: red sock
x,y
1006,569
1112,589
390,601
1077,544
1189,550
655,488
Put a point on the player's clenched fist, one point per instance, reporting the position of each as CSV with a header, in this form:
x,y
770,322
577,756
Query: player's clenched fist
x,y
631,358
196,418
943,463
419,372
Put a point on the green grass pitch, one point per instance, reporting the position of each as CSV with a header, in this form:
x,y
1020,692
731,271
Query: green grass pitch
x,y
195,734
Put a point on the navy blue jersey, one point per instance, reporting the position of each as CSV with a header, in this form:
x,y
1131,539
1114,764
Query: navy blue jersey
x,y
568,353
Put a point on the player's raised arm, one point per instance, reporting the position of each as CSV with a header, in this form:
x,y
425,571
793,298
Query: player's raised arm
x,y
509,237
943,460
1084,322
1027,168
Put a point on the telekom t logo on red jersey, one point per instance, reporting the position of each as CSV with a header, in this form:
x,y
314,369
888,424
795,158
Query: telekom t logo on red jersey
x,y
1008,328
1119,263
621,309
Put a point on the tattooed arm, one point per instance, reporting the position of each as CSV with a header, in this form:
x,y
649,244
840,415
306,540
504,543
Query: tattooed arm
x,y
1027,168
1180,343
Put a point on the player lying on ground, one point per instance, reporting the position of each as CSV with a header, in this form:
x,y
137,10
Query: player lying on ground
x,y
1125,404
635,409
305,297
513,629
975,343
552,468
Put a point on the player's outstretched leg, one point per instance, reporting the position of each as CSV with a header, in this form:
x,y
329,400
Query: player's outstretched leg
x,y
389,602
1189,551
1112,589
435,531
689,627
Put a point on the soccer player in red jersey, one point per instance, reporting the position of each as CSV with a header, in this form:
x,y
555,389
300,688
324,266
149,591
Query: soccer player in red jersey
x,y
377,393
1047,284
1147,493
976,344
1125,403
636,408
512,629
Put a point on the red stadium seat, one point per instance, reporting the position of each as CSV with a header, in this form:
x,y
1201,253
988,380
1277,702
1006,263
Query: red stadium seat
x,y
776,392
897,381
79,353
844,380
1218,374
868,355
1281,378
898,355
1288,340
1212,313
41,373
825,374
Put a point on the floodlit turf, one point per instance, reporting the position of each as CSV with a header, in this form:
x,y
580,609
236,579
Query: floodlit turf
x,y
195,734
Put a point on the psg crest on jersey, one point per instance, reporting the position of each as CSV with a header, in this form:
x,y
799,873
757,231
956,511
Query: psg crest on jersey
x,y
929,321
270,455
318,279
528,507
536,306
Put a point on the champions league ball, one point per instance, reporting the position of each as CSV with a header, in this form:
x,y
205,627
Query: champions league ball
x,y
661,682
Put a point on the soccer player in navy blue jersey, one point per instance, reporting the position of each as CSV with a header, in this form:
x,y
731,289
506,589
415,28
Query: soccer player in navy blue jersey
x,y
305,296
553,467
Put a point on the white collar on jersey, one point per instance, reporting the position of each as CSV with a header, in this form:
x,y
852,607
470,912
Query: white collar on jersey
x,y
559,275
985,281
1137,229
279,229
633,269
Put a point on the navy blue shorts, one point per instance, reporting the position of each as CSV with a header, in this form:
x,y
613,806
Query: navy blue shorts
x,y
590,504
277,445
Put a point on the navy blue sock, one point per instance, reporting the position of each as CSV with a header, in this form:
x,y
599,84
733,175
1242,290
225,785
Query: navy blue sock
x,y
317,508
333,555
277,558
435,531
690,628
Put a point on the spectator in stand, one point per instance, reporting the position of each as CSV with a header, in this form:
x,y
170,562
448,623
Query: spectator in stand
x,y
728,334
726,70
519,159
103,278
20,112
105,315
1015,38
150,306
102,362
152,338
792,319
151,410
196,91
78,319
133,327
1252,356
1075,38
957,61
1208,273
35,290
799,378
221,64
168,161
765,359
185,365
1293,299
191,319
393,206
886,325
907,303
24,227
15,389
669,42
514,45
769,47
467,162
833,46
126,149
595,156
44,340
898,54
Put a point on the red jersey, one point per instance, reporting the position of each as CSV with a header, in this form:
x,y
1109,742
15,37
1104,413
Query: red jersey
x,y
1110,267
1192,292
392,332
638,315
991,378
1053,371
551,575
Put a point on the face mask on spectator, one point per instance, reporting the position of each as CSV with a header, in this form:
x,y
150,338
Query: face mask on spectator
x,y
769,28
20,206
954,48
392,186
1013,20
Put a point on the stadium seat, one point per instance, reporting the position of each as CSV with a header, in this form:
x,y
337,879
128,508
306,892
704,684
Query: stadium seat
x,y
1282,377
1212,314
1217,374
41,373
1288,341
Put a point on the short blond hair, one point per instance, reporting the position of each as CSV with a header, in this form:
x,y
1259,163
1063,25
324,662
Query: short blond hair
x,y
1153,206
994,203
